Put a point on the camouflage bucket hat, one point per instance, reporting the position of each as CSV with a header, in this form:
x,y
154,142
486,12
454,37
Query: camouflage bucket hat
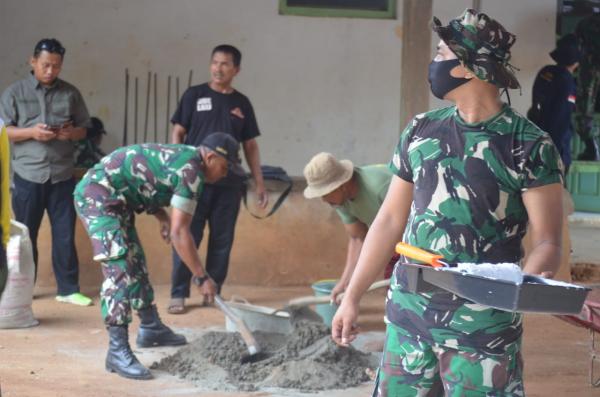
x,y
482,45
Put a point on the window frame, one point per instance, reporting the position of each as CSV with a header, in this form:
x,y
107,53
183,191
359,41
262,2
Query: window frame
x,y
390,13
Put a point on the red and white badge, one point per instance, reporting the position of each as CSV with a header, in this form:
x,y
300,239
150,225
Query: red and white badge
x,y
237,112
571,98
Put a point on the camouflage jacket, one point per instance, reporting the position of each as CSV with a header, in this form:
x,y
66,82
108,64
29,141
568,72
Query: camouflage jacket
x,y
87,153
151,176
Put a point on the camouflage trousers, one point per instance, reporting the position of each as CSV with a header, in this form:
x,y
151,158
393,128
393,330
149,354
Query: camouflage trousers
x,y
413,368
588,79
116,246
588,89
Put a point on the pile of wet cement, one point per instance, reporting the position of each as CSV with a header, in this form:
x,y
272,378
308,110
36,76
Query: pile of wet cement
x,y
307,359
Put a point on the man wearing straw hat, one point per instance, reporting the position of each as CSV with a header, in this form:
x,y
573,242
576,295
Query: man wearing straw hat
x,y
356,193
469,180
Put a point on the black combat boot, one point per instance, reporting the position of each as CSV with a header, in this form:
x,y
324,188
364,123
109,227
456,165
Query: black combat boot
x,y
120,358
591,151
153,332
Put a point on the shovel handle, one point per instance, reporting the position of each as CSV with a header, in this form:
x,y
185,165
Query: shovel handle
x,y
245,333
309,300
419,254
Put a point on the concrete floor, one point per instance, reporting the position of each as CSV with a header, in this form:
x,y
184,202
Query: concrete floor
x,y
585,241
64,355
584,228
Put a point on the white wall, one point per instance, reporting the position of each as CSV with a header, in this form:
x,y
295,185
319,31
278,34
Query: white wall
x,y
316,83
534,24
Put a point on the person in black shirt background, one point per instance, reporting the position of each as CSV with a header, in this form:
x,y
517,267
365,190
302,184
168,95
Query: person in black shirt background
x,y
554,93
216,107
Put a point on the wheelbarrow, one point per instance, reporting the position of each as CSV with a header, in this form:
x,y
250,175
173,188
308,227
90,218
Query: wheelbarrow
x,y
258,318
589,318
268,319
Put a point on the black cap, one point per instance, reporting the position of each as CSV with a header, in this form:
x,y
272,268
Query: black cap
x,y
97,128
226,146
567,50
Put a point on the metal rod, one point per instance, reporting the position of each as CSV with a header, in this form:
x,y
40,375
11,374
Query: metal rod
x,y
155,108
148,82
190,78
177,89
135,112
125,120
168,109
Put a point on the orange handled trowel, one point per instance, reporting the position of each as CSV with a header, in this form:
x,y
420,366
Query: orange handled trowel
x,y
421,255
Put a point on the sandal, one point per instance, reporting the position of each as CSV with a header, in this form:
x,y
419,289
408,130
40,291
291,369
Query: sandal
x,y
206,302
176,306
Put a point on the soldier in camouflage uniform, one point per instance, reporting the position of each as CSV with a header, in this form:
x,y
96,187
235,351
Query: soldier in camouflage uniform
x,y
146,178
588,87
476,173
88,151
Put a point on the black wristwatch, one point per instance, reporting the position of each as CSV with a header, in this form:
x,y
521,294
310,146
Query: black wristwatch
x,y
199,280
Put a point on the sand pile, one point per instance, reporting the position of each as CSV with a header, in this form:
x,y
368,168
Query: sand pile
x,y
307,359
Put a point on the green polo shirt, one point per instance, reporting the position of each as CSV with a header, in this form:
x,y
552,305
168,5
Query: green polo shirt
x,y
27,103
373,182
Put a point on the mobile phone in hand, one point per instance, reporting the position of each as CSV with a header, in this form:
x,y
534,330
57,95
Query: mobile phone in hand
x,y
55,128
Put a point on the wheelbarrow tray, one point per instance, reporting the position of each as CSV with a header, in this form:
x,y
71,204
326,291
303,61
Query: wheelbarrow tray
x,y
535,294
259,318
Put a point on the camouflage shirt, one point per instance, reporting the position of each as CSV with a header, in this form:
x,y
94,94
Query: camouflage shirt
x,y
467,206
152,176
87,153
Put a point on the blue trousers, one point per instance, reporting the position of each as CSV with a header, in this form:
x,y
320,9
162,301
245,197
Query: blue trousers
x,y
219,206
30,200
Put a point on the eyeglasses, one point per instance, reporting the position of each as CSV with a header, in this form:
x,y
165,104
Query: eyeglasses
x,y
50,45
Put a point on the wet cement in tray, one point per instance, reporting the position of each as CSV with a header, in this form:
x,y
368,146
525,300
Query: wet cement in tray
x,y
307,360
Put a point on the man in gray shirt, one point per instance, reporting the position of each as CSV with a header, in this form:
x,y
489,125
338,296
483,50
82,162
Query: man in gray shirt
x,y
44,115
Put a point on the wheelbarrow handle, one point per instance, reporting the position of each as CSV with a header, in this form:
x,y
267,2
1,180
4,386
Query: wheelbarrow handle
x,y
420,254
309,300
238,299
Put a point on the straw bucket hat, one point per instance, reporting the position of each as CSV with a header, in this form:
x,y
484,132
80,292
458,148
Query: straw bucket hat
x,y
324,173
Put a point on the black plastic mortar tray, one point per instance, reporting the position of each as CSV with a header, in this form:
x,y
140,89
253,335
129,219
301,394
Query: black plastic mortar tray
x,y
535,294
415,281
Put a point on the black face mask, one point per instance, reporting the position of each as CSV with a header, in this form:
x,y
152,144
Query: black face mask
x,y
441,81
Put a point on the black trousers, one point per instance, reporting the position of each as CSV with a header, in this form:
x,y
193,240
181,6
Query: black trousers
x,y
30,200
219,206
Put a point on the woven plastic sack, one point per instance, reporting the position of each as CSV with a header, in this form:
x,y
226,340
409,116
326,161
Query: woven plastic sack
x,y
15,301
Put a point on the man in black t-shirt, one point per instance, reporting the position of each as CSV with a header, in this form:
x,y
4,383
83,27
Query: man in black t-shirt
x,y
553,96
216,107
